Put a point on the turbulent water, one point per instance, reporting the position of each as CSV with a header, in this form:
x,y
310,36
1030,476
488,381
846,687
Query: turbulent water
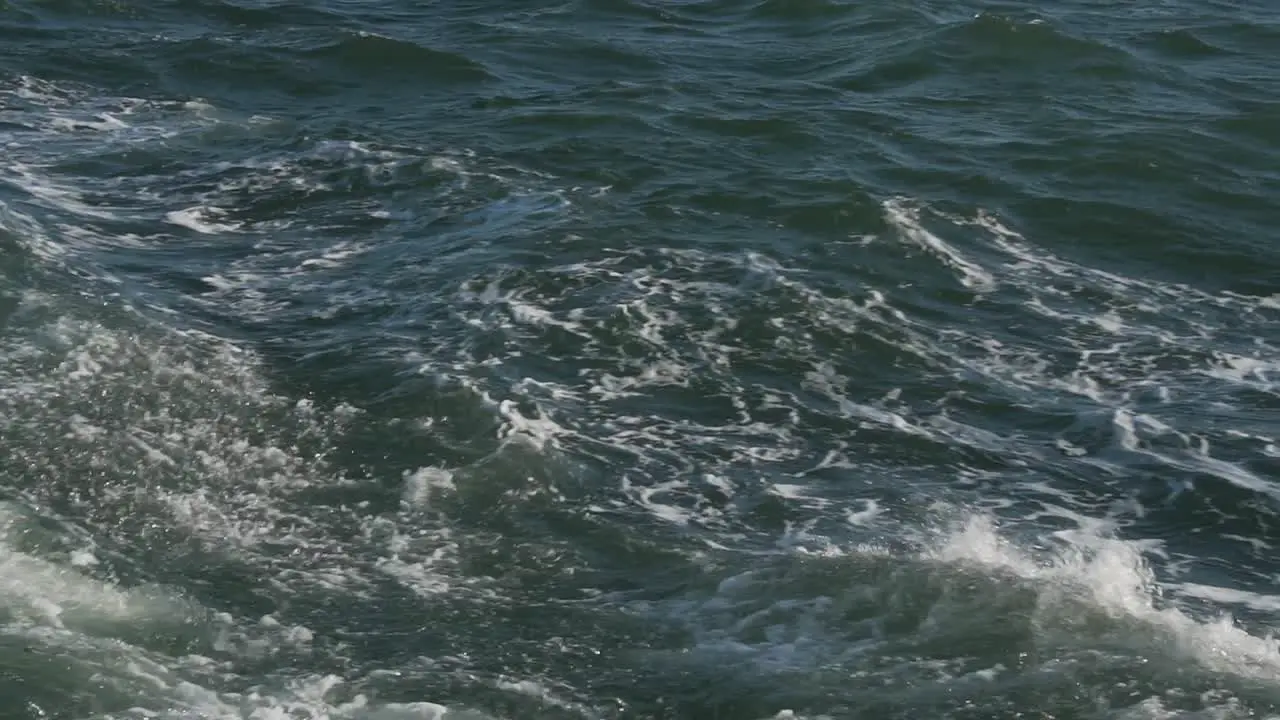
x,y
708,359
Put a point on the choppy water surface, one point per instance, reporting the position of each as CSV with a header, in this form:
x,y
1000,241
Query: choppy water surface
x,y
629,359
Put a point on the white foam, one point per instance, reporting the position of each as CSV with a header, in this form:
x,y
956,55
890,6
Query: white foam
x,y
864,517
1195,458
1251,371
1217,707
1228,596
310,697
906,219
103,121
648,496
53,194
540,691
540,432
199,220
424,482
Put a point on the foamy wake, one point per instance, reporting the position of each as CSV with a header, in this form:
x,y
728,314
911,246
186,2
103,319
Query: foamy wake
x,y
167,450
666,332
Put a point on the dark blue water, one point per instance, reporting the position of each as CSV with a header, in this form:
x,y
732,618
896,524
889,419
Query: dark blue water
x,y
627,359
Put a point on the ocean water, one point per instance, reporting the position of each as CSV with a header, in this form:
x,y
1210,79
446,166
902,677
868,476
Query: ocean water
x,y
612,359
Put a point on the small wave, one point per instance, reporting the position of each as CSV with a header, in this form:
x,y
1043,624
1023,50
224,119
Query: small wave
x,y
107,10
971,620
804,11
988,39
1112,576
979,46
1180,44
371,52
242,16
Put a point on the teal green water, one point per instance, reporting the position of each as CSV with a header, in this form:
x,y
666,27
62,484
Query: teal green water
x,y
627,359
